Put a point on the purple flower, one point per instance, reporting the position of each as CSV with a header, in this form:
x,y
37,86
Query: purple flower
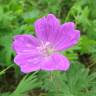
x,y
43,51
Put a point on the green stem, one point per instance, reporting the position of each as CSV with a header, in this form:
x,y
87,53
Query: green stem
x,y
3,71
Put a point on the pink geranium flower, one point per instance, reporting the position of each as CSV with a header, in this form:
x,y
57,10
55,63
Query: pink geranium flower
x,y
43,51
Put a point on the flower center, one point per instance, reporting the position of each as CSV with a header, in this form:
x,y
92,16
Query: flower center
x,y
45,49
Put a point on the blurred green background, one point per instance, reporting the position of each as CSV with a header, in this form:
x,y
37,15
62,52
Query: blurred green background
x,y
18,17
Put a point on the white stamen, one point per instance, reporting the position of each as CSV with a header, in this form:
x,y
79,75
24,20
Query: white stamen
x,y
45,49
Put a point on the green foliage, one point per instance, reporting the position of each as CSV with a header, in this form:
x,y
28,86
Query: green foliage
x,y
18,17
76,82
5,94
26,84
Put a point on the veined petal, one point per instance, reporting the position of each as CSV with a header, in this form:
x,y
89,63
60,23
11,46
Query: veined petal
x,y
25,44
28,62
69,36
55,62
47,27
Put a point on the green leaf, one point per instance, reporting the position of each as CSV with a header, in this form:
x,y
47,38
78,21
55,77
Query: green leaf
x,y
28,83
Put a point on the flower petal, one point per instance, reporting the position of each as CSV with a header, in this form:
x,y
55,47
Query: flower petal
x,y
47,27
25,44
28,62
67,37
55,62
